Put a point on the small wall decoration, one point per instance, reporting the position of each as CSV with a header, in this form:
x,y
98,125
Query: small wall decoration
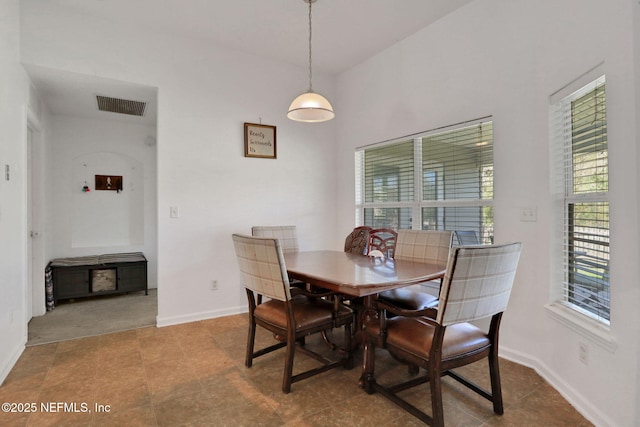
x,y
259,141
109,182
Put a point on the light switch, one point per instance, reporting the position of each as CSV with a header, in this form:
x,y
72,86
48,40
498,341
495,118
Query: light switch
x,y
529,214
174,212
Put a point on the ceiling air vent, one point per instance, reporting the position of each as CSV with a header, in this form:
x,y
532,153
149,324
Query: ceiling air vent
x,y
122,106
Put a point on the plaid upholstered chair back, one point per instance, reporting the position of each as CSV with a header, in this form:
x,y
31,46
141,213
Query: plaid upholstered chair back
x,y
286,234
424,245
478,282
262,267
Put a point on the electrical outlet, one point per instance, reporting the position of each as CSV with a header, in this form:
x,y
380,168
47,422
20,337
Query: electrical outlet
x,y
583,353
174,212
214,285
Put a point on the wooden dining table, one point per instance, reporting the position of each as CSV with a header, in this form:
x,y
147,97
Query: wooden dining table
x,y
358,275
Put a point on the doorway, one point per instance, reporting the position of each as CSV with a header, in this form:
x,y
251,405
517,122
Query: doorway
x,y
35,292
73,133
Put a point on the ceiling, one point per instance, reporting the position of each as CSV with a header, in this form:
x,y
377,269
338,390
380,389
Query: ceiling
x,y
72,94
345,33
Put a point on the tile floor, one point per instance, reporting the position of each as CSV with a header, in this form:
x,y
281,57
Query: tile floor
x,y
193,375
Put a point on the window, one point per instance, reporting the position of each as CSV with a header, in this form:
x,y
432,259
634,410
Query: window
x,y
439,180
581,137
389,186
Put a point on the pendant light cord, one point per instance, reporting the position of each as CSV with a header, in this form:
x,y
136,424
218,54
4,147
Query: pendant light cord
x,y
310,75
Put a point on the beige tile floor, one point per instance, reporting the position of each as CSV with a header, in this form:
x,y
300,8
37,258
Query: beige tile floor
x,y
193,375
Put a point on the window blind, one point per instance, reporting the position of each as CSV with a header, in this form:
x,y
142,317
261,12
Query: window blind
x,y
457,167
388,173
583,133
388,184
459,164
437,180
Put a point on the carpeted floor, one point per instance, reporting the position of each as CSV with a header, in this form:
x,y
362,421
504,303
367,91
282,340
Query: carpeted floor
x,y
87,317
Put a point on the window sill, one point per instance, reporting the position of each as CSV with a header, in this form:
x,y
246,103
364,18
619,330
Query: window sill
x,y
583,325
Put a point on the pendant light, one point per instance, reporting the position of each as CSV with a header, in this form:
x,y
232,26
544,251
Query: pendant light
x,y
310,107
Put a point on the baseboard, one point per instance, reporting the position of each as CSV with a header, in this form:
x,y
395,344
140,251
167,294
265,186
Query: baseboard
x,y
7,365
194,317
570,394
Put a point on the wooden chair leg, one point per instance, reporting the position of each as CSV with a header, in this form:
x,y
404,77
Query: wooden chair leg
x,y
348,363
251,339
327,341
288,362
496,387
437,411
494,366
368,379
414,369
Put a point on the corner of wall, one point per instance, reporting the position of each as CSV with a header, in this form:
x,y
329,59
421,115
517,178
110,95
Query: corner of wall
x,y
573,396
7,365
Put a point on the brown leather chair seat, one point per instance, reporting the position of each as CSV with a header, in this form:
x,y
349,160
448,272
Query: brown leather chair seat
x,y
310,313
415,336
410,298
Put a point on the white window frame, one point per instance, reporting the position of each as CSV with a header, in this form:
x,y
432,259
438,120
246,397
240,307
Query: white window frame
x,y
418,203
579,320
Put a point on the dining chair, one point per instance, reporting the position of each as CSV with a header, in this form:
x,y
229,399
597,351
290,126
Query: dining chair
x,y
288,312
431,246
476,286
365,240
357,241
382,240
286,234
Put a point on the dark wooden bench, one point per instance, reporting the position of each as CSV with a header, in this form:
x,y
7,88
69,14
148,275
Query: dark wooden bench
x,y
87,276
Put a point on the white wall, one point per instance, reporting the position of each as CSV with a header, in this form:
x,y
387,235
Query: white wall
x,y
205,94
636,73
505,58
491,57
13,125
99,222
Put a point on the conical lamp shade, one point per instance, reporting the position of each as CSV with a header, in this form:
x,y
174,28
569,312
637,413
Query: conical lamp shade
x,y
310,107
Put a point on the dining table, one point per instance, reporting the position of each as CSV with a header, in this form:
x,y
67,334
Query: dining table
x,y
355,275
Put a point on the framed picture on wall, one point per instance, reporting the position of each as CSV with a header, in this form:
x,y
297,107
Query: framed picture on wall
x,y
259,141
109,182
